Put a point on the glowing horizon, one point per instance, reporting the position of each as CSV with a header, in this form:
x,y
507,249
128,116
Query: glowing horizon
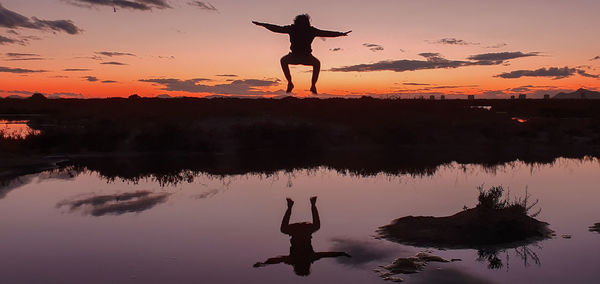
x,y
71,48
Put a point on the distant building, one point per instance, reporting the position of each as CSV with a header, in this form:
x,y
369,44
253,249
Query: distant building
x,y
471,97
522,96
512,97
546,97
432,97
442,97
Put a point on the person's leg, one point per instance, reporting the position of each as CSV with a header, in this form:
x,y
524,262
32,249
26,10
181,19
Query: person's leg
x,y
316,64
285,66
285,223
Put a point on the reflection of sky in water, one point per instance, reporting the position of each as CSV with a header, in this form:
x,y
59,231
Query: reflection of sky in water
x,y
16,128
519,120
213,230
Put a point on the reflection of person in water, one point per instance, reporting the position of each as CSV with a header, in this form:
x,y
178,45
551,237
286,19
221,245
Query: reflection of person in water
x,y
302,254
302,35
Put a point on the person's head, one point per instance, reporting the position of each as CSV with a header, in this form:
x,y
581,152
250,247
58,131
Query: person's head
x,y
302,20
302,268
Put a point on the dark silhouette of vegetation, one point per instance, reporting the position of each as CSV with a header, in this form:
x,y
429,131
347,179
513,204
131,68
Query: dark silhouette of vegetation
x,y
13,170
491,255
494,221
494,225
8,184
491,199
10,143
363,136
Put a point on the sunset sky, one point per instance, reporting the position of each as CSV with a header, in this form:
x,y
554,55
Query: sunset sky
x,y
115,48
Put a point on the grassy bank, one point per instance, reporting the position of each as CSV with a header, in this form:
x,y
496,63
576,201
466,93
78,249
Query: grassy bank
x,y
364,135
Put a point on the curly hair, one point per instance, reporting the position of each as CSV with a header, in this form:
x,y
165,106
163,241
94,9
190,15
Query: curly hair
x,y
302,20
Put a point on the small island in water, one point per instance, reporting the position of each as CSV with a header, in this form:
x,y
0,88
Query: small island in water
x,y
494,222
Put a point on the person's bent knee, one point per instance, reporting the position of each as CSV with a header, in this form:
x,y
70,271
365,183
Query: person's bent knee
x,y
317,63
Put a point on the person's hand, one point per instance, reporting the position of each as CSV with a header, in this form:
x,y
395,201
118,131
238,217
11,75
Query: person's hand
x,y
257,23
313,200
258,264
346,33
290,202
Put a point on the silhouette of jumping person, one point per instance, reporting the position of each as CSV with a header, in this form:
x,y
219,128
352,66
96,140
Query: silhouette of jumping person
x,y
302,254
302,35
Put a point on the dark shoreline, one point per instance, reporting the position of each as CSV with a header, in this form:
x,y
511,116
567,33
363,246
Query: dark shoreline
x,y
19,166
363,136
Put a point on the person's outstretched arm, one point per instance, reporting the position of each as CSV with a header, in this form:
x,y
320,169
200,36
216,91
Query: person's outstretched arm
x,y
273,28
273,260
322,33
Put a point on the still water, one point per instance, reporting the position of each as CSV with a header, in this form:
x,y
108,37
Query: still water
x,y
16,129
77,227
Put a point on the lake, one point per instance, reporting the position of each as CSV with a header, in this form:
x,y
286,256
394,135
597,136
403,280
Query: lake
x,y
16,128
68,226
